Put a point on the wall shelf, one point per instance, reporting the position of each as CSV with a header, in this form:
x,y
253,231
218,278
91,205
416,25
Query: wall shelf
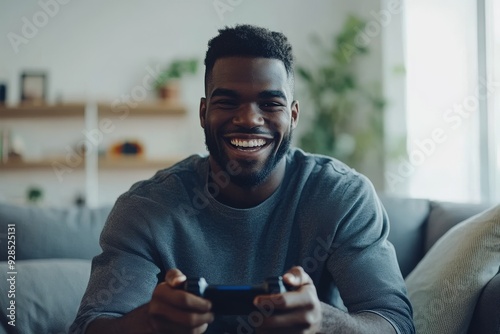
x,y
143,109
133,162
27,117
78,110
43,111
104,163
35,164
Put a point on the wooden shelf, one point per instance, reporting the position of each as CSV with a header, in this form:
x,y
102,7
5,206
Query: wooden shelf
x,y
38,164
143,109
43,111
78,110
135,163
104,163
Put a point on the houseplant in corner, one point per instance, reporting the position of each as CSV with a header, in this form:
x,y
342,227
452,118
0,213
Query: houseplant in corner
x,y
167,82
347,120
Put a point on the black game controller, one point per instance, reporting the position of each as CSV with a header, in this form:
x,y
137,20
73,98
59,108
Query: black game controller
x,y
234,299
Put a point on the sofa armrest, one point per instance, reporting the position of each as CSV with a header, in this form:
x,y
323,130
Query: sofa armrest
x,y
486,318
47,295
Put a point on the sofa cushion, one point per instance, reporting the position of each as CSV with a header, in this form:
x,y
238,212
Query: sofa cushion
x,y
486,319
47,294
407,218
445,215
446,284
43,233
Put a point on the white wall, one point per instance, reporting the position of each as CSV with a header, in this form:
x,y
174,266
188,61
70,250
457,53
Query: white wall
x,y
99,50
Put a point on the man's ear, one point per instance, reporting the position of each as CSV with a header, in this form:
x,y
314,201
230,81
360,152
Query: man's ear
x,y
203,110
295,114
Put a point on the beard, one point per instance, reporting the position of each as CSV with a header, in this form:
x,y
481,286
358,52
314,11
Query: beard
x,y
247,178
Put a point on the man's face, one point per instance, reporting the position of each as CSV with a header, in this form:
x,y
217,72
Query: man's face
x,y
248,116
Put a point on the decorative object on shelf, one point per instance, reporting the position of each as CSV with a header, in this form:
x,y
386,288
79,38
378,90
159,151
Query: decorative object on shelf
x,y
17,148
35,195
3,94
11,147
348,116
33,87
127,148
80,200
167,82
4,145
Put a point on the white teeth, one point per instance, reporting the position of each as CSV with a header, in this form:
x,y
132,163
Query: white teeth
x,y
248,143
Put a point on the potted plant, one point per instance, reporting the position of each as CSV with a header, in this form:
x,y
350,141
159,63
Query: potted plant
x,y
167,82
347,120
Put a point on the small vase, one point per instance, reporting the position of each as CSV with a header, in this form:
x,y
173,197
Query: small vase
x,y
170,91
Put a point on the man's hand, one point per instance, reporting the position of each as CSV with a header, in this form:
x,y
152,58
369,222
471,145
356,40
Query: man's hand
x,y
297,311
173,310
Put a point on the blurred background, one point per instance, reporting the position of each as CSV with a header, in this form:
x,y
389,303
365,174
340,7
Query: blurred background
x,y
95,96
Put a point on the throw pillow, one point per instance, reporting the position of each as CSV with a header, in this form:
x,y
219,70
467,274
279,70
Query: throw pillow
x,y
446,284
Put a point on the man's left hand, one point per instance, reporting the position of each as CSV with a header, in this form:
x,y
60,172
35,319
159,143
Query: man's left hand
x,y
297,311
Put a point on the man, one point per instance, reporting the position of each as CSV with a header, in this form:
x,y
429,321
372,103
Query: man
x,y
252,209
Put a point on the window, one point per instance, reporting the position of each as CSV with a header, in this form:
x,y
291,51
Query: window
x,y
452,152
493,66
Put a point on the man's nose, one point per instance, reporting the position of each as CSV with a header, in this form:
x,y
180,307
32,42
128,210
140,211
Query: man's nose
x,y
248,115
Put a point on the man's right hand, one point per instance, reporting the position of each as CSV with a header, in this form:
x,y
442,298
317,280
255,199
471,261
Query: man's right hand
x,y
173,310
170,311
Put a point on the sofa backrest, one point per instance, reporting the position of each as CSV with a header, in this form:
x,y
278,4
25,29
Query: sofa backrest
x,y
43,233
408,218
416,224
445,215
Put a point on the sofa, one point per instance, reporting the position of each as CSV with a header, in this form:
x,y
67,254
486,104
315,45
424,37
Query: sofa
x,y
54,248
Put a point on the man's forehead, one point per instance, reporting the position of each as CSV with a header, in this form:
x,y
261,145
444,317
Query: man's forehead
x,y
247,71
246,60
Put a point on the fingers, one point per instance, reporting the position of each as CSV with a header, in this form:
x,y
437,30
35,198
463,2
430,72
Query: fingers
x,y
293,312
175,278
173,308
180,299
168,314
301,297
304,299
296,276
297,311
168,293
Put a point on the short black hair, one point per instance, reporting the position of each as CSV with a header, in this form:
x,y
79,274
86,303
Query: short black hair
x,y
246,40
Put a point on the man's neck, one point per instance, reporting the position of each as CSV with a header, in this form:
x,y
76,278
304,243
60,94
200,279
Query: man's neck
x,y
246,197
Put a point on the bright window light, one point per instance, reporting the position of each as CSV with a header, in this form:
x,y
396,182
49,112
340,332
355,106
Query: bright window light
x,y
494,103
442,99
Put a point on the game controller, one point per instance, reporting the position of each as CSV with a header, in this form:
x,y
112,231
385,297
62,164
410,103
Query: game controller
x,y
234,299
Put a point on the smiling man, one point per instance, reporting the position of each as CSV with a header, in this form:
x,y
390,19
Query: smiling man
x,y
268,210
250,123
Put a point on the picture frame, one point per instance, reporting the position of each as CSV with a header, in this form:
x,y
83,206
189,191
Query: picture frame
x,y
33,87
3,93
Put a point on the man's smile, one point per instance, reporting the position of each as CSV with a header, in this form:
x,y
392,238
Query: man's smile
x,y
247,145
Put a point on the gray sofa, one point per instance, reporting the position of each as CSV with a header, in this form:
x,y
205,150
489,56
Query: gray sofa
x,y
54,248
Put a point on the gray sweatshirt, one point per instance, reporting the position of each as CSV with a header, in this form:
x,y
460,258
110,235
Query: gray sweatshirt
x,y
325,217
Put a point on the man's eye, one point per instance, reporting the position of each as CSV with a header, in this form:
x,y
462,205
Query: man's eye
x,y
271,105
226,103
